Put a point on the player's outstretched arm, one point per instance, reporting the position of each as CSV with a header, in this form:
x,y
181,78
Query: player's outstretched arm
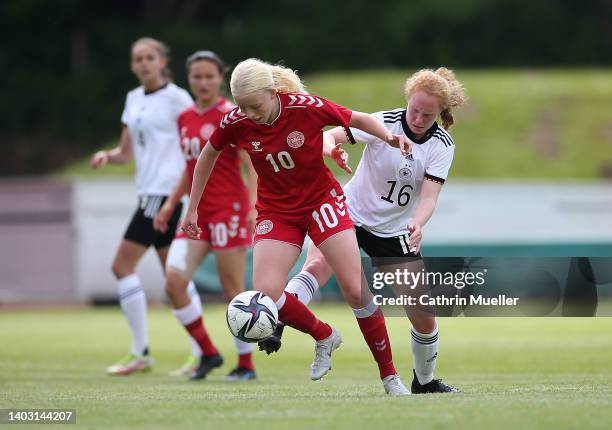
x,y
373,126
160,222
206,162
119,155
252,186
428,199
332,148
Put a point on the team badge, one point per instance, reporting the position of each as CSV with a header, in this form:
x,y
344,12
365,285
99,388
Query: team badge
x,y
264,227
256,146
236,206
206,131
295,139
405,171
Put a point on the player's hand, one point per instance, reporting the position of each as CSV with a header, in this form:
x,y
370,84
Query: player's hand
x,y
414,242
340,156
190,225
401,142
160,222
250,220
99,159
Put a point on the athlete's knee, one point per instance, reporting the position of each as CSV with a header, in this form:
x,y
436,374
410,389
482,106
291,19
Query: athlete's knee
x,y
318,268
175,284
121,269
424,324
232,284
355,298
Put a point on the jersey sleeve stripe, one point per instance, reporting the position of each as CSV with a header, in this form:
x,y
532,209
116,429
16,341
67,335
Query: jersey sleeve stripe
x,y
445,139
444,134
349,135
391,121
435,179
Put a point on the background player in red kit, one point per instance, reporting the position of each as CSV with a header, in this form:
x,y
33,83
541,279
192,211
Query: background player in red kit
x,y
226,216
281,127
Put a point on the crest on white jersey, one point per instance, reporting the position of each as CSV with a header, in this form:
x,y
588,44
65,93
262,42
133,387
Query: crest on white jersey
x,y
405,172
295,139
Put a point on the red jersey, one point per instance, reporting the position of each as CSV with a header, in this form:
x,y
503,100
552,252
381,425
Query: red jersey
x,y
287,154
225,186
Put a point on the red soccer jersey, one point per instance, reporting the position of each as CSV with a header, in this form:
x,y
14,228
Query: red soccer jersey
x,y
225,185
288,154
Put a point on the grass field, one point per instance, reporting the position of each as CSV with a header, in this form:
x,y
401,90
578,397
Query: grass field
x,y
520,124
516,373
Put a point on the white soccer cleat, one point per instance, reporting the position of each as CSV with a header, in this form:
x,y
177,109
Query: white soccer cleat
x,y
130,364
394,386
323,351
187,368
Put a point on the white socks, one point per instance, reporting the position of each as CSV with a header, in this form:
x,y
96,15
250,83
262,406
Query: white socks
x,y
196,301
425,354
134,304
243,347
366,311
303,285
188,314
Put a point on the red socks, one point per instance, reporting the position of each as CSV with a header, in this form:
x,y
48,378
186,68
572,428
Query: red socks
x,y
246,361
295,314
198,332
375,334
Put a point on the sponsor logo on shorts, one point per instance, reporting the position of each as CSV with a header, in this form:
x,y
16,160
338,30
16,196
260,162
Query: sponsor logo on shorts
x,y
295,139
264,227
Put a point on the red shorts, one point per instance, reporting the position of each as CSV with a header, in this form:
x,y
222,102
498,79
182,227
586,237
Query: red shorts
x,y
224,228
329,218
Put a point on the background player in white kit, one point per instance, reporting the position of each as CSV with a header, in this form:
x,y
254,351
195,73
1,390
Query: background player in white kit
x,y
151,135
390,198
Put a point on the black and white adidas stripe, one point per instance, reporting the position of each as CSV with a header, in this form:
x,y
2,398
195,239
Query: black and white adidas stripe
x,y
394,115
305,280
131,292
150,205
443,135
422,340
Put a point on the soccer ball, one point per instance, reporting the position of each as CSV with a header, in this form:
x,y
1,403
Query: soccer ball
x,y
252,316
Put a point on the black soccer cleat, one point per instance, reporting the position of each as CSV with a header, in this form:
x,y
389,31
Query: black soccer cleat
x,y
241,374
433,386
207,363
272,343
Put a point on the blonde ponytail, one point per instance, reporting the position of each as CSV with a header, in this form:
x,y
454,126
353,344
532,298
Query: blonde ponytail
x,y
287,80
442,84
253,75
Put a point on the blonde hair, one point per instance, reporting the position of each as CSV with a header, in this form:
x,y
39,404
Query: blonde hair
x,y
161,48
253,75
442,84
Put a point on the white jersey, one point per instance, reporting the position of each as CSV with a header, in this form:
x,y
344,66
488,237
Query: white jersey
x,y
384,191
151,119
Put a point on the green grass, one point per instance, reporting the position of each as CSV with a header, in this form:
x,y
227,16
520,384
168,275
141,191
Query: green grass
x,y
515,373
520,124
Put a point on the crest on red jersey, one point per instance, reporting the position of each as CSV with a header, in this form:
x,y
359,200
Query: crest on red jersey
x,y
264,227
295,139
206,131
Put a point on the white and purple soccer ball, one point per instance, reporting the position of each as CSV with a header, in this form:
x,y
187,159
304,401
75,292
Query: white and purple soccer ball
x,y
252,316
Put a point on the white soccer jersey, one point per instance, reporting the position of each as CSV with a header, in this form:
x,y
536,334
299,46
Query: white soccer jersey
x,y
384,192
151,119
